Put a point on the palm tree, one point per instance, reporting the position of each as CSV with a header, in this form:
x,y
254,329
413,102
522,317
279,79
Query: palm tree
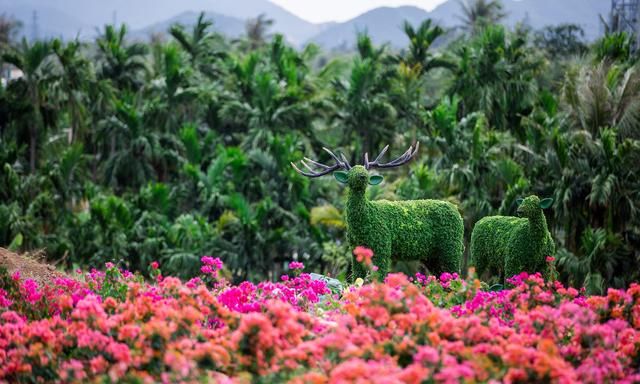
x,y
201,44
256,30
73,81
420,43
34,62
496,75
129,148
604,96
477,14
614,47
8,29
124,64
364,107
273,94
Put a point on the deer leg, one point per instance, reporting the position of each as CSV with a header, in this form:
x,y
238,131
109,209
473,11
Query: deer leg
x,y
450,259
357,270
382,260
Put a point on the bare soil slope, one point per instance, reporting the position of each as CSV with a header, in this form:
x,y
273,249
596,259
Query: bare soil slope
x,y
28,266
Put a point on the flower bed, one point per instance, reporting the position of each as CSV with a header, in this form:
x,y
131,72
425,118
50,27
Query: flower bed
x,y
114,326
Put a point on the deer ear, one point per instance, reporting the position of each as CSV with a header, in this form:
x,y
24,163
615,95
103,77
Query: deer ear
x,y
341,176
519,200
546,203
375,179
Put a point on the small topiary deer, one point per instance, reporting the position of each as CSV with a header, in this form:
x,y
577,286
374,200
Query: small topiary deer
x,y
505,245
430,231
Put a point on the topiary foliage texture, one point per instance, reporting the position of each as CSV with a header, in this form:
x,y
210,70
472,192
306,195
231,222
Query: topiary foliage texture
x,y
505,245
430,231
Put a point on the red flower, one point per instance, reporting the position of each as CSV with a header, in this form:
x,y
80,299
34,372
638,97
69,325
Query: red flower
x,y
363,254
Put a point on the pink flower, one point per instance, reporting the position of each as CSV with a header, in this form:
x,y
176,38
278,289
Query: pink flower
x,y
550,259
296,265
363,254
215,263
4,299
155,265
30,291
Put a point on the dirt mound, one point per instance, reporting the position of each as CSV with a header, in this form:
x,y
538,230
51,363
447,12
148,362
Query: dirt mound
x,y
29,267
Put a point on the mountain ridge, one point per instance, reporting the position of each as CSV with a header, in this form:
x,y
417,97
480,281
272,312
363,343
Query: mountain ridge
x,y
83,18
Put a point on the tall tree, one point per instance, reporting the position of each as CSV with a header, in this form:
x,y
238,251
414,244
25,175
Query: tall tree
x,y
364,107
561,40
122,63
421,40
73,80
496,74
257,31
9,28
202,44
477,14
34,62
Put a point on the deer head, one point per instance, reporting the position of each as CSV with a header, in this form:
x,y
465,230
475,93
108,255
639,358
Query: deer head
x,y
356,177
532,206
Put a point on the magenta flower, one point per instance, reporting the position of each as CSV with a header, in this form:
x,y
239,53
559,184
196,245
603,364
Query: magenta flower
x,y
296,265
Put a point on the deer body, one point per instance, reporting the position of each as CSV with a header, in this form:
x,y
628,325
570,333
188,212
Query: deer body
x,y
430,231
505,245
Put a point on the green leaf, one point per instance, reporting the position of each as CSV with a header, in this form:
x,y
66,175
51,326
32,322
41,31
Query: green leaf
x,y
375,179
519,200
16,243
327,215
341,176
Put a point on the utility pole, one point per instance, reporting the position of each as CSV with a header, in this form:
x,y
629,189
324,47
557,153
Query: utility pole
x,y
625,17
34,25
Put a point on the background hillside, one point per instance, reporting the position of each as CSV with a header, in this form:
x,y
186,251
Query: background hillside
x,y
71,18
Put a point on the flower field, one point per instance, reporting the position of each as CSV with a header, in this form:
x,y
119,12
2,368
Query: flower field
x,y
114,326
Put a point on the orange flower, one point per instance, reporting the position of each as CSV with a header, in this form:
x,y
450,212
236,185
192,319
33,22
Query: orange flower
x,y
363,255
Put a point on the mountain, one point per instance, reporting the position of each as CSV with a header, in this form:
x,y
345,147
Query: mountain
x,y
293,27
56,23
383,24
140,14
70,18
226,25
537,13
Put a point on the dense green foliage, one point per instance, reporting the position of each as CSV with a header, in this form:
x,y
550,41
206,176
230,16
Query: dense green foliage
x,y
428,231
128,151
506,245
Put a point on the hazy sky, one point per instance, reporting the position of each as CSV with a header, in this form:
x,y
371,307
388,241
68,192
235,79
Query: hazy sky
x,y
342,10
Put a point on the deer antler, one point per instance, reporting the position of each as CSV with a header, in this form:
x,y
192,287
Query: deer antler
x,y
394,163
324,169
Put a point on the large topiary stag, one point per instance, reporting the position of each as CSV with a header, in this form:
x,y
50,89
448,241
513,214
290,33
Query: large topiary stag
x,y
430,231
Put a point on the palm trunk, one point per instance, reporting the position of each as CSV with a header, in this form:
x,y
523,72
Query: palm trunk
x,y
33,142
33,131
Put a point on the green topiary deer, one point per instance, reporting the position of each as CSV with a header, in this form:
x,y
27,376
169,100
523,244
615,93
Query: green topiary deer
x,y
430,231
505,245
